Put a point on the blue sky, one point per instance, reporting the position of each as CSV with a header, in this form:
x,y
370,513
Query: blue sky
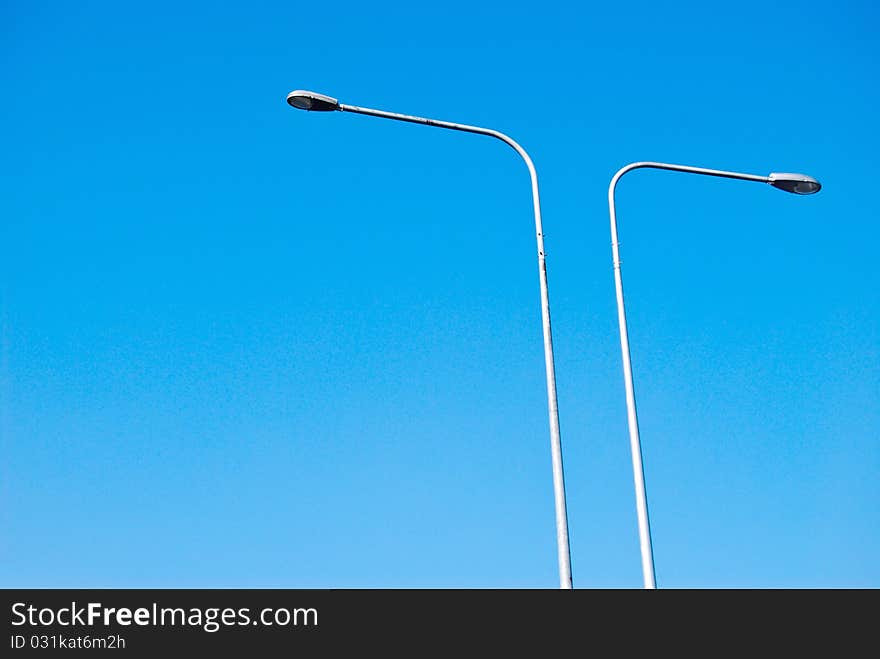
x,y
242,345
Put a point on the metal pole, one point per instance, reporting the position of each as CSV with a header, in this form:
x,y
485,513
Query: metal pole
x,y
647,551
562,541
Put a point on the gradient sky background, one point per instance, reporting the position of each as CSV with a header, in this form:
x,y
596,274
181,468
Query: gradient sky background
x,y
244,345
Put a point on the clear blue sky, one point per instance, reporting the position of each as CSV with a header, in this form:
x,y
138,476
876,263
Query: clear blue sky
x,y
244,345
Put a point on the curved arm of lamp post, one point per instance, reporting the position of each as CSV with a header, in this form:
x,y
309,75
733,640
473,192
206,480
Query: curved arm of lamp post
x,y
562,540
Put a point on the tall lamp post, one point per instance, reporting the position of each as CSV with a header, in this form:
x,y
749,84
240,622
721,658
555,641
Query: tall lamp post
x,y
306,100
795,183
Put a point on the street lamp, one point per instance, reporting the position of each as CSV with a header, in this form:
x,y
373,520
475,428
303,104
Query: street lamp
x,y
311,101
794,183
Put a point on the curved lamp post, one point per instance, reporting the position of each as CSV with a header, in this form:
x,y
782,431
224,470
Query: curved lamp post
x,y
795,183
306,100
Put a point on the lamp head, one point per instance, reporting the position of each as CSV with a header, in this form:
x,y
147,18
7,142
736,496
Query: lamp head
x,y
795,183
312,101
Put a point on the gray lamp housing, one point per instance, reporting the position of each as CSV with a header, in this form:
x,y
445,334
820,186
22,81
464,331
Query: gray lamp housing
x,y
795,183
312,101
